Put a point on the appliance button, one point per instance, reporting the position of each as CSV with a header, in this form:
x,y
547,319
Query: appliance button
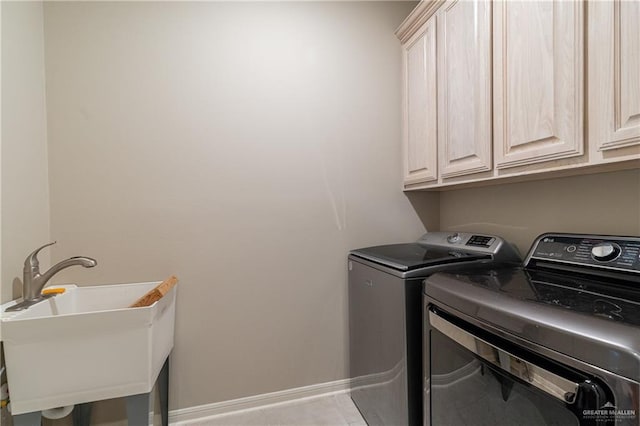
x,y
571,249
454,238
605,252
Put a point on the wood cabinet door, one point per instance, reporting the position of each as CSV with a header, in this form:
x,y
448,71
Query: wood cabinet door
x,y
614,74
420,127
464,87
538,81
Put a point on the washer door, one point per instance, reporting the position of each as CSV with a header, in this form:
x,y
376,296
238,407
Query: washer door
x,y
407,257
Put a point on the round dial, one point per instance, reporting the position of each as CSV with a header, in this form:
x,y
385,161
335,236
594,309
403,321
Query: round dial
x,y
454,238
605,252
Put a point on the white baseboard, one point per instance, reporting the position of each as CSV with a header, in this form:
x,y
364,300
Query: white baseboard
x,y
383,378
200,413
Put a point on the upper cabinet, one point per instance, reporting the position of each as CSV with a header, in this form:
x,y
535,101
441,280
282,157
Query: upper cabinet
x,y
538,80
419,144
614,76
464,87
513,90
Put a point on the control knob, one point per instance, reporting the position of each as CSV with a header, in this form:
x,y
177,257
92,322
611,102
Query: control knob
x,y
454,238
605,252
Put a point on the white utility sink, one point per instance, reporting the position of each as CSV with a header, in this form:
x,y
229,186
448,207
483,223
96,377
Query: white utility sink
x,y
86,345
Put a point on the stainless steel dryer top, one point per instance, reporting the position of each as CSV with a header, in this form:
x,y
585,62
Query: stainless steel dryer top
x,y
578,295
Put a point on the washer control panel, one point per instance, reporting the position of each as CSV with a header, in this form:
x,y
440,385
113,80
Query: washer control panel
x,y
480,241
609,252
498,249
471,240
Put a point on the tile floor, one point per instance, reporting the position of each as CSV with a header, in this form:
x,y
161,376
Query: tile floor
x,y
333,410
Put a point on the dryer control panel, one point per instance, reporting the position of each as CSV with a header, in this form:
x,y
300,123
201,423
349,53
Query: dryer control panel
x,y
590,251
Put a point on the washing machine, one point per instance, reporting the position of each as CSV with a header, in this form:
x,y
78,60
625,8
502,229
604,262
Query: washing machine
x,y
385,317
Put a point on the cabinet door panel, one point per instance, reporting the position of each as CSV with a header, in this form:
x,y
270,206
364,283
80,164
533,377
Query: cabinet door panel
x,y
538,78
464,85
420,138
628,36
614,74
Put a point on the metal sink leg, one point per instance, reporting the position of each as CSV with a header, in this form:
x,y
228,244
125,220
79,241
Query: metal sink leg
x,y
28,419
140,409
163,390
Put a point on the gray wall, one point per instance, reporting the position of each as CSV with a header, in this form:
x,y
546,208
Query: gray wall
x,y
244,147
23,153
606,203
203,139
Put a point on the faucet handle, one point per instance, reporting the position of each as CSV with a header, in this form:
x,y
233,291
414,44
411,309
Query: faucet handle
x,y
31,262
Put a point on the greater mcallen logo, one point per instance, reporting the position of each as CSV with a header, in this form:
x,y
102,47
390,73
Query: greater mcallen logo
x,y
609,410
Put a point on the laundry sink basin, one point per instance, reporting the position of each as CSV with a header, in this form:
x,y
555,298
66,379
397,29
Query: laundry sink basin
x,y
86,345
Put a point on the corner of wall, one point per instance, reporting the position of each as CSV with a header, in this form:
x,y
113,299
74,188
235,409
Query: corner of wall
x,y
2,298
25,220
427,207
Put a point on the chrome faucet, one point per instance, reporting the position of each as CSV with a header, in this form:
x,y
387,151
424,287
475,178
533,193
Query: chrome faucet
x,y
33,281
